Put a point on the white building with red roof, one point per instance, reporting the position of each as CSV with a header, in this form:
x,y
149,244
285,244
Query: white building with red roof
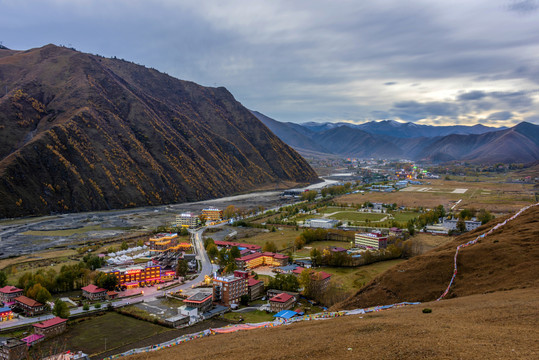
x,y
282,301
92,292
28,306
50,327
9,293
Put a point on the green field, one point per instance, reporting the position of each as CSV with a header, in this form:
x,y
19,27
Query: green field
x,y
352,279
357,216
112,329
404,216
250,317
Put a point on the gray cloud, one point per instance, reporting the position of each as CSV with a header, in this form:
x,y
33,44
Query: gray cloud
x,y
300,61
501,115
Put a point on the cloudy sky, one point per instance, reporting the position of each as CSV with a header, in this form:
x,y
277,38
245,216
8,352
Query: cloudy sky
x,y
430,62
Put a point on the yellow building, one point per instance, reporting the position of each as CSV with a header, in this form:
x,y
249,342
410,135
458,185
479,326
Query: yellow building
x,y
212,214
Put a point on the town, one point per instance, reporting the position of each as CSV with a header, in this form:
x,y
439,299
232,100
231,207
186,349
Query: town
x,y
235,265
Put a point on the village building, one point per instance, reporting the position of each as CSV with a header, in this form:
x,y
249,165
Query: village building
x,y
13,349
261,259
212,214
8,293
371,240
200,301
255,289
395,231
187,220
133,276
50,327
6,314
452,224
281,302
321,223
228,290
163,242
228,244
92,292
28,306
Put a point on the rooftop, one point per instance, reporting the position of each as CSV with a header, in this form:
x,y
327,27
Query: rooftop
x,y
252,282
93,289
198,297
48,323
281,298
27,301
9,290
285,314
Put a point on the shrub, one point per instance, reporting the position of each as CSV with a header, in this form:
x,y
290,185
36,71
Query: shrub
x,y
427,311
85,307
97,306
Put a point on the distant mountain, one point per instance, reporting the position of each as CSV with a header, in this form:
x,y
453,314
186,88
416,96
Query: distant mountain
x,y
80,132
293,134
392,139
404,130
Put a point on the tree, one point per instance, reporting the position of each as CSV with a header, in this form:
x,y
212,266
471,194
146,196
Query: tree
x,y
208,241
461,225
316,257
230,268
244,300
230,212
484,216
309,195
124,245
202,219
43,295
182,268
60,309
3,279
411,228
270,247
85,307
306,281
234,253
106,281
212,250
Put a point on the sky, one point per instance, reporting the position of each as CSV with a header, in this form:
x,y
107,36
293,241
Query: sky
x,y
425,61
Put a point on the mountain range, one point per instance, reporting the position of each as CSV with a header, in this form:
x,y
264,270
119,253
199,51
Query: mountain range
x,y
81,132
392,139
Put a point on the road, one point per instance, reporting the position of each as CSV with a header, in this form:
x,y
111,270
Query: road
x,y
149,293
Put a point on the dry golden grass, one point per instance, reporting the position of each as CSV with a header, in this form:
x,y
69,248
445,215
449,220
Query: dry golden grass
x,y
500,325
493,196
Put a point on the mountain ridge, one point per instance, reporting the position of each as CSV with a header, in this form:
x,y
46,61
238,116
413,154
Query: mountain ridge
x,y
481,144
81,132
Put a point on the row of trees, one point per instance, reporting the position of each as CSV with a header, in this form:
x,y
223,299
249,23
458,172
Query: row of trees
x,y
226,258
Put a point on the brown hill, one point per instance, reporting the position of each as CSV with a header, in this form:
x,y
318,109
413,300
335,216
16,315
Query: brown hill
x,y
506,259
500,325
81,132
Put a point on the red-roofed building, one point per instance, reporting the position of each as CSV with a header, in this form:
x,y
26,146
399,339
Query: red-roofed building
x,y
261,259
298,270
92,292
320,279
8,293
282,302
50,327
229,244
28,306
255,289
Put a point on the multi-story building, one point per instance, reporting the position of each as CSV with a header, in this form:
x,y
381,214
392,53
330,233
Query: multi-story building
x,y
28,306
255,289
241,246
261,259
50,327
13,349
8,293
281,302
187,220
135,275
452,224
200,301
321,223
372,240
229,289
163,242
212,214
